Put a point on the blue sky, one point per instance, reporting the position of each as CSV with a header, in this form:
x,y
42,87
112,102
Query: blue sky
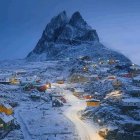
x,y
116,21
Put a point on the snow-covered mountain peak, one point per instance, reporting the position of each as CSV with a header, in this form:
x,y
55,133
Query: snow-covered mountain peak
x,y
72,37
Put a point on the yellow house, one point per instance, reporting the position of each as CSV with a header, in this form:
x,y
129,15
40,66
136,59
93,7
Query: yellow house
x,y
6,108
15,80
93,103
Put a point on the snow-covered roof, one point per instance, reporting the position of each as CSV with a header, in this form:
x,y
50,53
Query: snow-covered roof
x,y
97,93
93,100
132,100
7,106
6,118
79,90
60,78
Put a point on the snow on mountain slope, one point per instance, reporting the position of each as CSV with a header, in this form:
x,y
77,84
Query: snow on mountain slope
x,y
66,37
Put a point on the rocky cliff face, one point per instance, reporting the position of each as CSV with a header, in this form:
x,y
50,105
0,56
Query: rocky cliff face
x,y
66,37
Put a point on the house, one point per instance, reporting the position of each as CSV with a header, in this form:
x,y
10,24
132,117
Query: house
x,y
5,78
60,97
111,61
20,72
136,80
6,108
111,77
87,96
15,80
30,80
57,103
93,103
35,96
78,78
42,88
131,102
60,80
28,87
98,95
78,92
6,121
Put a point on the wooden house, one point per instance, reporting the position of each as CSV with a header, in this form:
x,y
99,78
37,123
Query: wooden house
x,y
6,108
87,96
6,121
93,103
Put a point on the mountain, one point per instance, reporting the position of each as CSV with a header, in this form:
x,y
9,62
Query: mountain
x,y
66,37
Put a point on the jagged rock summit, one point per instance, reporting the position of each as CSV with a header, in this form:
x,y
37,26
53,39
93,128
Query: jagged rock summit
x,y
66,37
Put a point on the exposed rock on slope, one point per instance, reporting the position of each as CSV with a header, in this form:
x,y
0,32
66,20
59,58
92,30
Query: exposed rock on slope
x,y
71,37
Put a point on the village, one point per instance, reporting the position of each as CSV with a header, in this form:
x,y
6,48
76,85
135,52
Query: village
x,y
38,98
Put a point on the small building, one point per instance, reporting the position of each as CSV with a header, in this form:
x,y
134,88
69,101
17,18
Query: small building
x,y
111,77
6,108
111,61
93,103
60,80
98,95
57,103
87,96
5,78
6,121
35,96
131,102
78,78
78,92
15,80
20,72
136,80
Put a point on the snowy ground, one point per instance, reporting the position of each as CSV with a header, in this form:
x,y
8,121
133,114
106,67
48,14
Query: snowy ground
x,y
38,120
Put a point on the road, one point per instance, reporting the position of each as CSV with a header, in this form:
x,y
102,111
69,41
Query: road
x,y
85,131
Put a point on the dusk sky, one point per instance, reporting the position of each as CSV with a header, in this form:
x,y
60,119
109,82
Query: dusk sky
x,y
22,22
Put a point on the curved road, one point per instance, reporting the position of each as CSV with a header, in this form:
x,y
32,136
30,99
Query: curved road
x,y
85,131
